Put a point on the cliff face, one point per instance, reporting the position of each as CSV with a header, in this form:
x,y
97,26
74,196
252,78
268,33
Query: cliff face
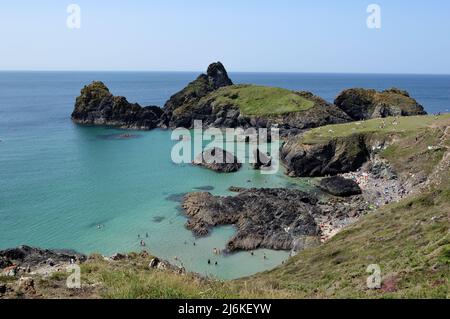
x,y
336,156
97,106
362,104
411,144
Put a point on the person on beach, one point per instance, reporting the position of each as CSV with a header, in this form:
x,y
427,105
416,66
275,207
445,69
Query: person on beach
x,y
209,261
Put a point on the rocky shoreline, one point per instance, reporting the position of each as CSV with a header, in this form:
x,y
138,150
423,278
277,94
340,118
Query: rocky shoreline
x,y
350,178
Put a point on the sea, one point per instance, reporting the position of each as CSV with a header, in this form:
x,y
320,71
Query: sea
x,y
89,189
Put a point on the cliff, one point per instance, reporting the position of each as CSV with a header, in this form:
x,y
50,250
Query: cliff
x,y
410,144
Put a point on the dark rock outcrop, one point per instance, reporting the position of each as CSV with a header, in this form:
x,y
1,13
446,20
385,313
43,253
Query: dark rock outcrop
x,y
28,256
363,104
218,160
264,218
5,262
340,186
215,77
340,155
97,106
261,160
214,111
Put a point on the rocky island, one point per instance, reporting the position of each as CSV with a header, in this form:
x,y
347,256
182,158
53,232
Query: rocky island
x,y
97,106
363,104
215,100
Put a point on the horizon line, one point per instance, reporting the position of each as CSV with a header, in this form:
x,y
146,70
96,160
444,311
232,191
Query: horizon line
x,y
255,72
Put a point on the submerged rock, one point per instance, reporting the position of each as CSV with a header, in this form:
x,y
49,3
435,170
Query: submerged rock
x,y
264,218
97,106
340,186
363,104
218,160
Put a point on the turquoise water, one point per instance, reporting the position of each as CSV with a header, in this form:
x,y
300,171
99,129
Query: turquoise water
x,y
58,181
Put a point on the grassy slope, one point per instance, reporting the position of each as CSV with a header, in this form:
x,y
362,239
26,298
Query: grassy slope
x,y
407,125
409,241
260,100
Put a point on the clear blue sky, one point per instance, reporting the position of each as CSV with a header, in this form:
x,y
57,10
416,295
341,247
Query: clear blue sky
x,y
246,35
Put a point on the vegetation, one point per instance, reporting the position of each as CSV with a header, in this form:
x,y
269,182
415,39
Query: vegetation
x,y
403,125
254,100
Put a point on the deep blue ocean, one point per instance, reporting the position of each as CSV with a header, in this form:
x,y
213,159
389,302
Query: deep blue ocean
x,y
58,181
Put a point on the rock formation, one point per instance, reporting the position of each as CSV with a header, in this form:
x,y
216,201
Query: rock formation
x,y
222,108
264,218
340,155
339,186
97,106
363,104
218,160
28,256
261,160
215,77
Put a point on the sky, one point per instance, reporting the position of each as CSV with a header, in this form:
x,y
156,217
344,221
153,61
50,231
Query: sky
x,y
326,36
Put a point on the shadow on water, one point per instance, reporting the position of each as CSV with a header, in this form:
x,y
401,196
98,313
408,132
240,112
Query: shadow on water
x,y
204,188
158,219
118,137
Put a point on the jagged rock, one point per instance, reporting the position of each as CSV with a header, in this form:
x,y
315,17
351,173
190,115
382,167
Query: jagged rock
x,y
363,104
4,262
340,155
117,257
97,106
29,256
264,218
218,160
339,186
381,169
215,77
262,160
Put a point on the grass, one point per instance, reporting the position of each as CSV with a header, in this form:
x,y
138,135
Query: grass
x,y
404,125
254,100
409,241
